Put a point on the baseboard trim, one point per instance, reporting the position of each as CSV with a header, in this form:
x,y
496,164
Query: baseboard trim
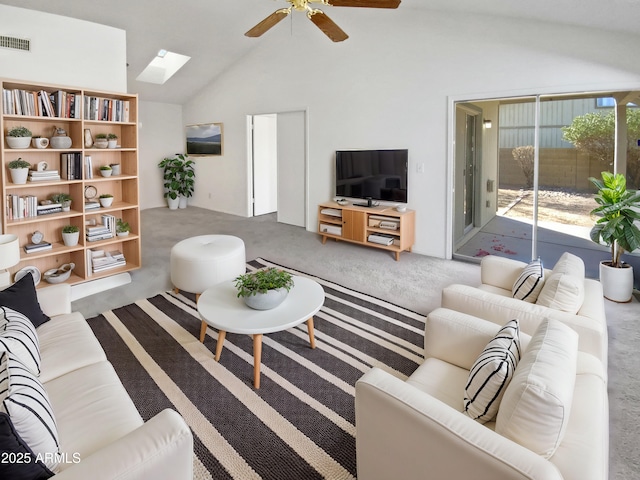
x,y
92,287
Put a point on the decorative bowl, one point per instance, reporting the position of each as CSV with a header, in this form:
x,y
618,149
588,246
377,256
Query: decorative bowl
x,y
60,142
59,275
266,301
18,142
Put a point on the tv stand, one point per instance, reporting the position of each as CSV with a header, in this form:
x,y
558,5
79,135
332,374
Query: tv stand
x,y
376,226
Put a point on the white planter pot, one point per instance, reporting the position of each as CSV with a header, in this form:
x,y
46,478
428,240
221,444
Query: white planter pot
x,y
112,143
70,239
266,301
18,142
106,201
173,204
19,175
122,234
617,283
182,201
101,143
105,173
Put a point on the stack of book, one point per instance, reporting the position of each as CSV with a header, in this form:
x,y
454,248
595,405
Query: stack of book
x,y
99,232
49,208
91,205
101,260
37,247
71,166
17,206
44,176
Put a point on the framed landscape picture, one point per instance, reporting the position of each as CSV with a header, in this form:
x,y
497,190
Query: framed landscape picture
x,y
204,139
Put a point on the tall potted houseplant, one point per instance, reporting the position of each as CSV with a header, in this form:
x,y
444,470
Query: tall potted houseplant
x,y
618,209
179,179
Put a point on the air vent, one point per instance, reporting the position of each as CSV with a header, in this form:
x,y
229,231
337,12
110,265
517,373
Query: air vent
x,y
15,43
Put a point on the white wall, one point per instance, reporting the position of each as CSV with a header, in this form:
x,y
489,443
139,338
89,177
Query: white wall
x,y
160,135
64,51
390,85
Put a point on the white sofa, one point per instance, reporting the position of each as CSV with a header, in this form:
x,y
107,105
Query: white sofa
x,y
101,434
492,300
416,429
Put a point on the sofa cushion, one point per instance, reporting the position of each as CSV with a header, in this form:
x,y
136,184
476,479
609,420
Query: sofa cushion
x,y
25,466
21,296
66,344
536,405
530,282
491,373
564,288
25,401
18,336
93,409
441,380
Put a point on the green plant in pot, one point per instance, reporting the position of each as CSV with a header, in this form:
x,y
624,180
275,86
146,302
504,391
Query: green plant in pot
x,y
618,209
64,199
179,179
101,140
264,289
70,235
106,199
122,228
19,171
106,170
19,137
112,140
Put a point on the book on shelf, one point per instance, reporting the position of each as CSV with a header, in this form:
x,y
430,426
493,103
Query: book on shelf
x,y
101,260
44,178
37,247
20,206
88,167
91,205
71,166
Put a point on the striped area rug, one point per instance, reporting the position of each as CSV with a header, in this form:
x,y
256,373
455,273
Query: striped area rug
x,y
300,424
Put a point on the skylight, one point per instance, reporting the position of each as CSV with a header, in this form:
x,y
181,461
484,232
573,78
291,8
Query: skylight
x,y
162,67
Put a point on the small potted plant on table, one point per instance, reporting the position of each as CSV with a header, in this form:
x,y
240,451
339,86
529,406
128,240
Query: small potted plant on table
x,y
19,171
618,210
264,289
101,141
19,137
105,170
64,199
112,140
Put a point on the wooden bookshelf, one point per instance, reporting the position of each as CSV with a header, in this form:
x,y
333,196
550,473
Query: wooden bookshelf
x,y
110,113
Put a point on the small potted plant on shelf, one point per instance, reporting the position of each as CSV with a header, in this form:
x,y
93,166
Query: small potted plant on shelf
x,y
64,199
19,137
19,171
70,235
122,228
106,170
618,209
101,140
106,199
112,140
264,289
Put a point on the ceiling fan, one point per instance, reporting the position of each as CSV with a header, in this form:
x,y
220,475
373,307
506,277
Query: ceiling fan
x,y
317,16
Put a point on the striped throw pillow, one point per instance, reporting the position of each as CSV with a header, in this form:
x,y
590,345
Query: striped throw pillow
x,y
491,373
530,282
18,336
25,400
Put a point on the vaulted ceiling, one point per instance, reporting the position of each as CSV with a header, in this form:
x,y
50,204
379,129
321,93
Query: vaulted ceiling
x,y
211,32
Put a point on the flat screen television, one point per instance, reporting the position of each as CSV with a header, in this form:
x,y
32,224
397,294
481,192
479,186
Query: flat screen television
x,y
374,175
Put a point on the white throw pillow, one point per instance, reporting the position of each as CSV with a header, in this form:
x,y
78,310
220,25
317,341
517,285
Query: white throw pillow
x,y
564,289
491,373
528,285
18,336
25,400
535,409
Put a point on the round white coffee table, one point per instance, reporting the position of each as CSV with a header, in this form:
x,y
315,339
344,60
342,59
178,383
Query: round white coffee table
x,y
219,307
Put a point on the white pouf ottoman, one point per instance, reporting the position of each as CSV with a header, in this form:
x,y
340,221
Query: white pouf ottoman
x,y
200,262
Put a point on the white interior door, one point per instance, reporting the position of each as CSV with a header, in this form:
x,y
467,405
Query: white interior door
x,y
265,164
292,163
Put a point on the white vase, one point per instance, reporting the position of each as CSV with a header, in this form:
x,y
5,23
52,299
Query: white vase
x,y
183,202
173,203
70,239
617,283
18,142
19,175
106,201
112,143
88,139
266,301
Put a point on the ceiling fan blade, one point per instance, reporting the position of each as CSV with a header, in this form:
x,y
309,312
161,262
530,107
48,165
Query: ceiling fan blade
x,y
328,26
366,3
267,23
